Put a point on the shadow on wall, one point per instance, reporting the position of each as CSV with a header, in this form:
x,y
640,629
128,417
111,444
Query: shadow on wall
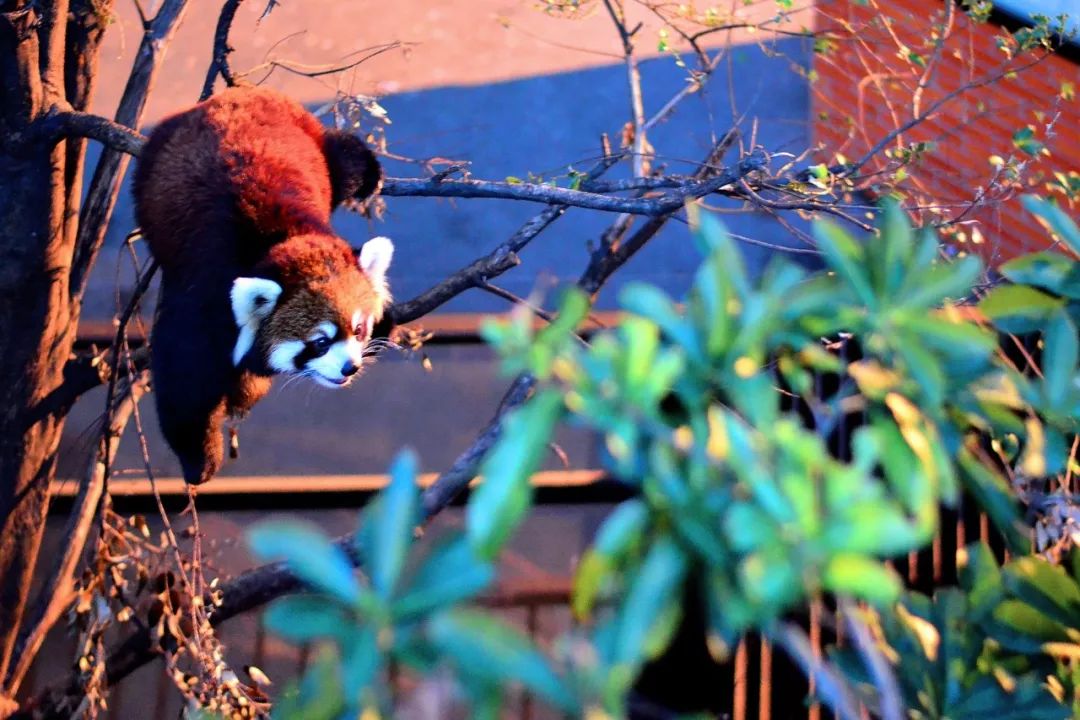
x,y
544,125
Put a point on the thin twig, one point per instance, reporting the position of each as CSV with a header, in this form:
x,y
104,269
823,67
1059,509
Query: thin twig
x,y
830,686
633,78
56,595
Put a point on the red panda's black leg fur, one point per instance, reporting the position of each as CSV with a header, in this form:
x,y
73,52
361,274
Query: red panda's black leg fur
x,y
248,389
355,173
192,375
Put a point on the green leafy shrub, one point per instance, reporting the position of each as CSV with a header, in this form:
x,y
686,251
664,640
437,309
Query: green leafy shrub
x,y
713,409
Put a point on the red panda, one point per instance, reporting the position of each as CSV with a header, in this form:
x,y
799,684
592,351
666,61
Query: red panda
x,y
234,199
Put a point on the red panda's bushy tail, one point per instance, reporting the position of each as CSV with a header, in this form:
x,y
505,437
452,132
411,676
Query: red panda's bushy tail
x,y
355,173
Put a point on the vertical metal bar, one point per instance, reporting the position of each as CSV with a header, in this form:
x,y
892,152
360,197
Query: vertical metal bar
x,y
961,526
814,712
765,691
935,551
738,705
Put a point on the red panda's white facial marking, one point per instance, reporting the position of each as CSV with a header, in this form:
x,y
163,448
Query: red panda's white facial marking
x,y
329,356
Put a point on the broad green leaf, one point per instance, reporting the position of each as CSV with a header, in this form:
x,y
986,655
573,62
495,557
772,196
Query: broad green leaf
x,y
770,580
318,695
1026,699
658,581
1048,269
874,527
309,554
652,304
846,258
393,517
641,340
450,574
716,305
622,528
1022,628
489,649
890,251
924,368
980,577
1059,359
361,660
944,280
1018,308
993,495
1060,223
748,529
592,571
303,618
954,338
861,577
711,234
498,506
819,295
1045,587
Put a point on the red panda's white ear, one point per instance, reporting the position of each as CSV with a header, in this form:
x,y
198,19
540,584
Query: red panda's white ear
x,y
375,258
252,300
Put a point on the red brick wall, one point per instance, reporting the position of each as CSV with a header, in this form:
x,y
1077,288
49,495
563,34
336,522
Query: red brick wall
x,y
863,89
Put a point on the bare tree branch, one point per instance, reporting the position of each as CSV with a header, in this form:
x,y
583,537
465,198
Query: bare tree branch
x,y
105,185
219,65
498,261
83,373
613,255
652,207
62,124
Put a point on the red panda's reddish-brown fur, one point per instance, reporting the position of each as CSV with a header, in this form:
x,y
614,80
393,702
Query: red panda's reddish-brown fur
x,y
241,185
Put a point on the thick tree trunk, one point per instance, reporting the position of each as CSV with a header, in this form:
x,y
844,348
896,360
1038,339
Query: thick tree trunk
x,y
39,195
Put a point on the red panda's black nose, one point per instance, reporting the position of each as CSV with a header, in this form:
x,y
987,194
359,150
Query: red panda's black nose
x,y
349,368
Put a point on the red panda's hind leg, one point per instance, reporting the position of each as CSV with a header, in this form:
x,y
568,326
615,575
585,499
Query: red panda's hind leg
x,y
197,442
248,390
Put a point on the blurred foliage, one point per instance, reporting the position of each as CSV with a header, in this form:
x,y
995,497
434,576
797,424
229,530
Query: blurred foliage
x,y
1006,643
787,436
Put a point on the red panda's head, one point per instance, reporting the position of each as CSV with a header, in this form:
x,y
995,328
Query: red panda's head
x,y
311,309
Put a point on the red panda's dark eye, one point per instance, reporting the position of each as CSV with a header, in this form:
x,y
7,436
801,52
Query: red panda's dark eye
x,y
321,344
